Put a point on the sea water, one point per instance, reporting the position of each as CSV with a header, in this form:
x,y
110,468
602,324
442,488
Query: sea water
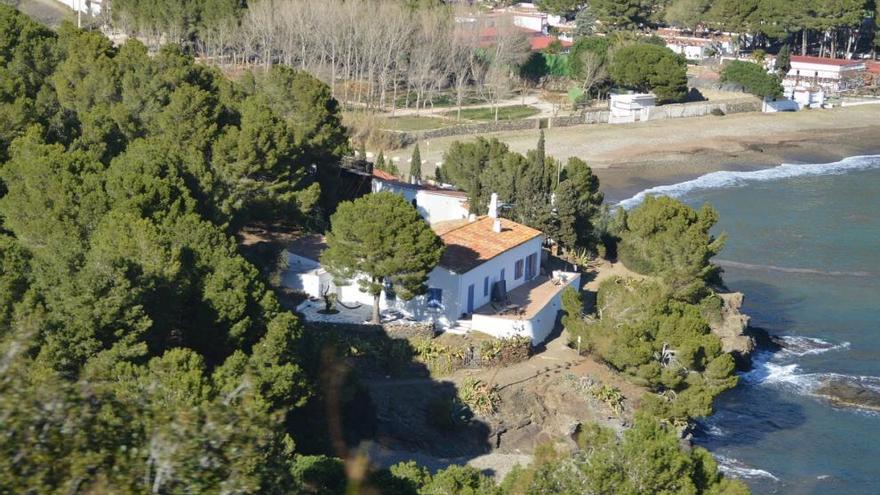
x,y
804,248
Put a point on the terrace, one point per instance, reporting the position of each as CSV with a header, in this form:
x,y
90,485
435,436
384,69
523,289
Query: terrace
x,y
528,299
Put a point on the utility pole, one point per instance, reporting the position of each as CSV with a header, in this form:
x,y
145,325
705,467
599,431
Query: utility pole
x,y
78,6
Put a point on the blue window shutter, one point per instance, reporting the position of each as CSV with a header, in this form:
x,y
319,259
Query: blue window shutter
x,y
486,286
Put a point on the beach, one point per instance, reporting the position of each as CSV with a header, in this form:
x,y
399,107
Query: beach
x,y
629,158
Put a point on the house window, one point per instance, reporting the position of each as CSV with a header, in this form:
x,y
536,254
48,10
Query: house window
x,y
486,286
531,266
518,270
435,298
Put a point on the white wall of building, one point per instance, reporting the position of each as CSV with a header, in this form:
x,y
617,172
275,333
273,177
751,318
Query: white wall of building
x,y
434,206
492,270
831,77
538,327
92,7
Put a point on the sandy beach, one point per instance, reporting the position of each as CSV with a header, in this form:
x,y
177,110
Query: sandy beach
x,y
632,157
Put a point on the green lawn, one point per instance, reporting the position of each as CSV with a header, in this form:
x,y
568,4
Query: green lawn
x,y
416,123
511,112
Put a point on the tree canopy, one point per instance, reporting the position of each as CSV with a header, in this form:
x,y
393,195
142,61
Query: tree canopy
x,y
753,79
381,238
124,301
649,67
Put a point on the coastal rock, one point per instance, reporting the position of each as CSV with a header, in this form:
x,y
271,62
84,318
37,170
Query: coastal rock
x,y
732,329
850,393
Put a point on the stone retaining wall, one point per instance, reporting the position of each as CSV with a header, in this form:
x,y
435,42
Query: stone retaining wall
x,y
701,108
394,330
663,112
469,129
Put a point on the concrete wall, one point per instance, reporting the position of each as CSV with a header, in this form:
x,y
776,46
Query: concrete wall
x,y
538,327
470,129
700,108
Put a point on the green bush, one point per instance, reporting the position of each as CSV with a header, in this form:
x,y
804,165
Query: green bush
x,y
753,78
658,342
669,239
649,67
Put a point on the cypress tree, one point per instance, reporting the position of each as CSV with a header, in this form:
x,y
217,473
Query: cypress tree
x,y
380,162
783,61
415,169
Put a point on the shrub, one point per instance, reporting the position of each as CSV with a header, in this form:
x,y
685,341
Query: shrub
x,y
753,78
504,352
481,397
649,67
443,414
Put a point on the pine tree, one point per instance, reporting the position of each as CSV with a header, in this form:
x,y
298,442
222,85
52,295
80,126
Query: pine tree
x,y
381,237
415,169
380,162
783,61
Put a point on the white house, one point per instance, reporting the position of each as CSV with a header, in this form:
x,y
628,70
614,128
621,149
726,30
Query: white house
x,y
91,7
435,204
630,107
489,279
830,74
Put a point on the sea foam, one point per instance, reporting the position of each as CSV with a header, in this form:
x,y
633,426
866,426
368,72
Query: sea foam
x,y
724,179
736,469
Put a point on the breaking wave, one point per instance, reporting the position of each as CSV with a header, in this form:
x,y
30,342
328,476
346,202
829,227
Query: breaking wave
x,y
737,469
797,346
860,392
717,180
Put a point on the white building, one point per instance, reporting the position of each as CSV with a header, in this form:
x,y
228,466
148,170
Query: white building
x,y
435,204
91,7
489,279
830,74
630,107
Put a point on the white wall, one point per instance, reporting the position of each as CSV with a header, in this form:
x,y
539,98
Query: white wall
x,y
492,269
92,7
435,207
432,206
538,327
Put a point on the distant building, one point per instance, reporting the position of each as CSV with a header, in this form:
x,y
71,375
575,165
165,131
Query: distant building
x,y
696,47
630,107
91,7
833,75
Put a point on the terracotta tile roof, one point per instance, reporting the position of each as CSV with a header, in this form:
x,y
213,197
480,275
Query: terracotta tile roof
x,y
471,244
839,62
383,175
538,43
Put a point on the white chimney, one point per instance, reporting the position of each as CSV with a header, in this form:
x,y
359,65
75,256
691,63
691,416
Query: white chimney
x,y
472,218
493,206
496,226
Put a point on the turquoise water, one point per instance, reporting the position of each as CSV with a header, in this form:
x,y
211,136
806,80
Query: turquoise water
x,y
804,246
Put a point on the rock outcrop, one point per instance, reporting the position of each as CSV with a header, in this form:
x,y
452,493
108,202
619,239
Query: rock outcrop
x,y
733,330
